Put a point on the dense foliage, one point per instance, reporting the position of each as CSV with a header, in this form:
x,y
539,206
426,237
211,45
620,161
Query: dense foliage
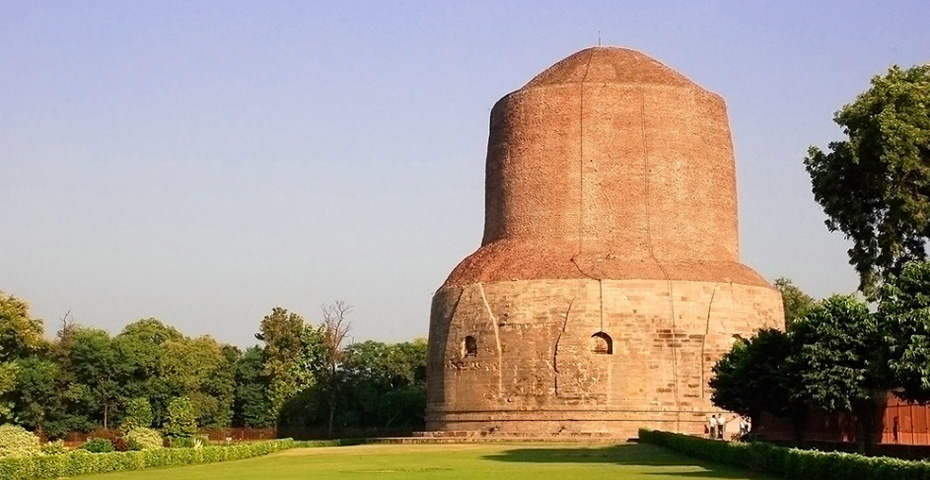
x,y
18,442
838,356
751,378
875,185
142,438
796,302
904,319
81,462
151,375
138,413
790,462
181,421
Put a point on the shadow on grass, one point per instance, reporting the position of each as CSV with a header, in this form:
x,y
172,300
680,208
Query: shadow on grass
x,y
626,454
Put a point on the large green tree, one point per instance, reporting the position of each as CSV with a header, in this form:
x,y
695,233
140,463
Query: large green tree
x,y
753,377
384,384
796,303
203,370
251,407
875,185
141,344
282,333
99,365
904,314
36,395
839,357
21,335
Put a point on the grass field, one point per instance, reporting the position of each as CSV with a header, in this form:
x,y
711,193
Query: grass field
x,y
482,461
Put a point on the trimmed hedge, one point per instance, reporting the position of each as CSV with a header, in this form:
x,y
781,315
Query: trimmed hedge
x,y
791,463
16,441
142,438
79,462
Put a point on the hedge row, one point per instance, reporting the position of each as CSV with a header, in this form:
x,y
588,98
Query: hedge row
x,y
791,462
79,462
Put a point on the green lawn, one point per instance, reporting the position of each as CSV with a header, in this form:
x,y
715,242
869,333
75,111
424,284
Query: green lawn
x,y
475,461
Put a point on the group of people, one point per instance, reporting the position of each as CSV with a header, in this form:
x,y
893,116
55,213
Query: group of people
x,y
717,427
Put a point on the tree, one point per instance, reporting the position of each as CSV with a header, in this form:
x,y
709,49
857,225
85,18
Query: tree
x,y
8,375
98,364
138,414
202,370
141,344
36,394
384,384
20,334
753,377
251,407
875,186
335,330
839,359
181,421
904,314
281,331
796,302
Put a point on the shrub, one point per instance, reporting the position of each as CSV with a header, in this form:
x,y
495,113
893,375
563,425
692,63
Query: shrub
x,y
141,438
790,462
194,441
79,462
182,420
97,445
16,441
120,444
138,413
54,448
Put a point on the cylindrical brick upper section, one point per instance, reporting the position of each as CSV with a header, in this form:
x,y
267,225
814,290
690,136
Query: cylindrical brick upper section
x,y
609,165
616,153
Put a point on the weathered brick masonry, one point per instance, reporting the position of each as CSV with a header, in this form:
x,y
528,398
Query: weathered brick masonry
x,y
608,281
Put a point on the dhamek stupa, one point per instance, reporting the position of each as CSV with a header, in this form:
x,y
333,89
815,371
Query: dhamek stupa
x,y
608,281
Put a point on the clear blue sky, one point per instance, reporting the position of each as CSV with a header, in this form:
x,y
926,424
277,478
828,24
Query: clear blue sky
x,y
202,162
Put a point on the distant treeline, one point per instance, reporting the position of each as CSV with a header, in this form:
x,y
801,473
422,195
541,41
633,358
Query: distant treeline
x,y
303,377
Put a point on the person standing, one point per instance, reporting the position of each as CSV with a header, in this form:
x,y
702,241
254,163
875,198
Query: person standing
x,y
721,426
712,427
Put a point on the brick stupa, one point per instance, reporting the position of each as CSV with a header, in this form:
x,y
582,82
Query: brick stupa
x,y
608,281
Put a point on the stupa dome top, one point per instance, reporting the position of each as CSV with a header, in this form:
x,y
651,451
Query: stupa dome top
x,y
609,65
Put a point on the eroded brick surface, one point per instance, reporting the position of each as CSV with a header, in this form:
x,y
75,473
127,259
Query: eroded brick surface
x,y
610,210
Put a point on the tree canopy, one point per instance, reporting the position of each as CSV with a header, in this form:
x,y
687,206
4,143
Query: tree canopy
x,y
795,301
904,313
20,333
150,374
751,378
875,185
839,354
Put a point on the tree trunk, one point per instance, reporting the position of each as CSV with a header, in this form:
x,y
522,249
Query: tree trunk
x,y
332,399
864,421
332,411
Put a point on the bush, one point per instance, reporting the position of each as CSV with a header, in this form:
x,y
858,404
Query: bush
x,y
16,441
120,444
182,420
138,414
54,448
97,445
195,441
141,438
790,462
80,462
